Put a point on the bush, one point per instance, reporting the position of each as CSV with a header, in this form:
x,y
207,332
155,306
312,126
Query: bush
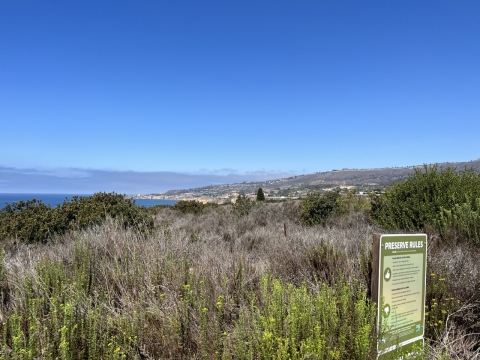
x,y
32,220
316,209
463,218
85,211
243,205
446,200
189,206
354,203
27,221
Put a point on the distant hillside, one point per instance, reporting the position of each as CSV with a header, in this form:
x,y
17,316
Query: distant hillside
x,y
362,179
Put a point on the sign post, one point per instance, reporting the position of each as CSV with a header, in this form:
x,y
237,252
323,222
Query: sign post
x,y
402,262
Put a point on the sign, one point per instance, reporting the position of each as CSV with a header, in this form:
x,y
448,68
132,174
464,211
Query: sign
x,y
402,263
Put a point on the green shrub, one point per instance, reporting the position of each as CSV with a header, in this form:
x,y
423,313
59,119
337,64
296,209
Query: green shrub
x,y
27,221
354,203
32,220
243,205
446,200
85,211
462,218
316,208
189,206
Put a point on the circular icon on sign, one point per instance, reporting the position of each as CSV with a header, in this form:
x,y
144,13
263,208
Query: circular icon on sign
x,y
387,274
386,310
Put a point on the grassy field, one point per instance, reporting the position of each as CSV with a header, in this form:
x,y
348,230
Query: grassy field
x,y
220,285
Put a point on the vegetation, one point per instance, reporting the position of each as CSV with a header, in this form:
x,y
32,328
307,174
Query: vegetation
x,y
28,221
316,208
243,205
260,195
189,206
446,201
33,221
222,283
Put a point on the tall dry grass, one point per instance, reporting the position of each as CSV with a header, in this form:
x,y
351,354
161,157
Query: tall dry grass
x,y
198,288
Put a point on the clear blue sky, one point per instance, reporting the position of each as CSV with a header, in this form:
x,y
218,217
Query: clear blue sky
x,y
226,90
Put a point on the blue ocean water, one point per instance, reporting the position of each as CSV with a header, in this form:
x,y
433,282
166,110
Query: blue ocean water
x,y
57,199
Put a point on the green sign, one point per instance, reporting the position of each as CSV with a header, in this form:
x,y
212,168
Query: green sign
x,y
401,285
412,350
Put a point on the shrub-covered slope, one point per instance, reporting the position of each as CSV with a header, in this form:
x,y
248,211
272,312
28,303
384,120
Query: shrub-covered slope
x,y
222,283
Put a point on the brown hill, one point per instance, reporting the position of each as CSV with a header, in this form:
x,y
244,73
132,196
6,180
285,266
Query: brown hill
x,y
362,179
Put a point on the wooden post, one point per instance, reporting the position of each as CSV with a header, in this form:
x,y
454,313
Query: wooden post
x,y
375,266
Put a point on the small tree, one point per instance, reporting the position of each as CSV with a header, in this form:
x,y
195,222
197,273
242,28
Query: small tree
x,y
260,195
242,205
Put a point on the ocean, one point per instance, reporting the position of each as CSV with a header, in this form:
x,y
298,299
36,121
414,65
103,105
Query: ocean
x,y
57,199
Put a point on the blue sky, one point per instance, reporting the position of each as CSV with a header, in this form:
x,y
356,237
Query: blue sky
x,y
225,91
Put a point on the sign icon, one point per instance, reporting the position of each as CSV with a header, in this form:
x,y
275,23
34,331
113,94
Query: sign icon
x,y
386,310
387,274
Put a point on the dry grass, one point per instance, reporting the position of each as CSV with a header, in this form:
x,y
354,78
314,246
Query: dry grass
x,y
192,261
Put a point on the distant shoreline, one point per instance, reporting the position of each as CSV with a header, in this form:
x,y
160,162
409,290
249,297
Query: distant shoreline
x,y
55,200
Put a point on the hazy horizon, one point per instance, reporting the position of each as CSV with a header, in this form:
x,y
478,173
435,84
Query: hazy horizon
x,y
85,182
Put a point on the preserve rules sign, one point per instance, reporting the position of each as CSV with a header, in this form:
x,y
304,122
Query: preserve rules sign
x,y
401,292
